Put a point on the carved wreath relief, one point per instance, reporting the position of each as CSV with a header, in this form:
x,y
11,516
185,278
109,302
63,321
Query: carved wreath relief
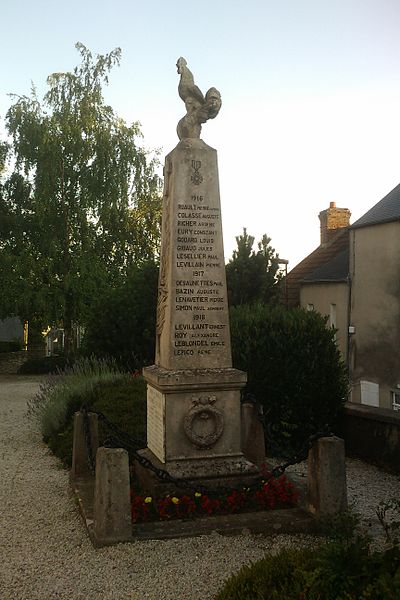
x,y
204,423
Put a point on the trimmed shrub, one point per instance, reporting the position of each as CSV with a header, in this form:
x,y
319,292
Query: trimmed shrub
x,y
122,402
294,370
332,572
60,395
10,346
344,568
43,365
122,324
273,577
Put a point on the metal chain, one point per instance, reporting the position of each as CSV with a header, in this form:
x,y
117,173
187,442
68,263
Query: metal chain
x,y
132,445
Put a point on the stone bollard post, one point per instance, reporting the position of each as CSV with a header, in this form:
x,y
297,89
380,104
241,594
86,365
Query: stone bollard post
x,y
112,521
80,465
327,490
252,431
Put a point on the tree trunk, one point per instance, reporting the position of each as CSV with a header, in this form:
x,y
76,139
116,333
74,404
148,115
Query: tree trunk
x,y
69,334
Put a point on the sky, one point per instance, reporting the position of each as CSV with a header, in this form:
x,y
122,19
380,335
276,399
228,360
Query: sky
x,y
310,94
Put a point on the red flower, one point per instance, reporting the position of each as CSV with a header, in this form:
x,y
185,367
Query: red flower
x,y
273,493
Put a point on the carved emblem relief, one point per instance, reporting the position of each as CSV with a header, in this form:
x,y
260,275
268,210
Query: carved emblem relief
x,y
197,178
204,423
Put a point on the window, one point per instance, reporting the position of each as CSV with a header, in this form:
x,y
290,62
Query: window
x,y
369,393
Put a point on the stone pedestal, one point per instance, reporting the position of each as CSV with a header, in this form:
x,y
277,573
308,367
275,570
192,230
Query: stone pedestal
x,y
193,423
193,398
112,521
327,488
80,463
253,438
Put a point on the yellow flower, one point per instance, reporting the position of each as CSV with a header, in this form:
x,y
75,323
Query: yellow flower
x,y
175,500
197,494
148,499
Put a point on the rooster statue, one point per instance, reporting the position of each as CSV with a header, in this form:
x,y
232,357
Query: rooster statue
x,y
198,108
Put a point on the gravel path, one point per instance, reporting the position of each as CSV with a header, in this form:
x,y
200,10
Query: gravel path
x,y
46,553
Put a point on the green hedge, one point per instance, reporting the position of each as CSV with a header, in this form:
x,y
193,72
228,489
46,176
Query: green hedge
x,y
123,402
294,369
344,567
10,346
335,571
43,365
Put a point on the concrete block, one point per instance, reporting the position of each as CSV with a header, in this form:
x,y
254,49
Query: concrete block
x,y
327,489
112,520
80,466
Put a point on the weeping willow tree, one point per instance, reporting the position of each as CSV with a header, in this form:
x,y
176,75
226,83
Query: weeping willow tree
x,y
83,200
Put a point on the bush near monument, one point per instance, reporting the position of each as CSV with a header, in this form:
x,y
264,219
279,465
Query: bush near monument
x,y
121,396
44,365
344,568
294,370
10,346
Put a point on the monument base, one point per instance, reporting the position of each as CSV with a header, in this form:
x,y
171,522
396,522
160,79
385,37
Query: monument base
x,y
212,474
194,428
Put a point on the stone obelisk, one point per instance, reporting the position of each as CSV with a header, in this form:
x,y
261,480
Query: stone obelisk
x,y
193,393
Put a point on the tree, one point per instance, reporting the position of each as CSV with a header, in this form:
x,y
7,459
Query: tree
x,y
83,201
252,276
109,333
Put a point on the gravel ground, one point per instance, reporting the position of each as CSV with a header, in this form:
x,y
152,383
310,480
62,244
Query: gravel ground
x,y
45,550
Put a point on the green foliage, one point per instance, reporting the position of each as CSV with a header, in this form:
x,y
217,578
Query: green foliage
x,y
294,369
83,203
122,401
252,276
10,346
43,365
122,323
60,395
388,513
273,577
342,569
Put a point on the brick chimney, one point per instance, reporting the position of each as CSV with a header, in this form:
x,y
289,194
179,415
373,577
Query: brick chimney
x,y
332,219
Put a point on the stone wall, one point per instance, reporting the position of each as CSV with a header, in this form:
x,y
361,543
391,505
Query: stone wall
x,y
372,434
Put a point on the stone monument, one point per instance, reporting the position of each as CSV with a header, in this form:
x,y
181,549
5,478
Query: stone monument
x,y
193,393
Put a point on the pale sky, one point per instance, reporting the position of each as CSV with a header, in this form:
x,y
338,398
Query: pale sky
x,y
310,92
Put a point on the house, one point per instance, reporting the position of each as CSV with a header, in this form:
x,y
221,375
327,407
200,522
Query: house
x,y
374,304
353,277
319,282
12,330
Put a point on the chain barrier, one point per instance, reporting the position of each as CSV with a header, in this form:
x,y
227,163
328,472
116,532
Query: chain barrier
x,y
121,439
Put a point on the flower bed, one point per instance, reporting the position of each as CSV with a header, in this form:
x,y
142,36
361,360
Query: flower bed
x,y
271,494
